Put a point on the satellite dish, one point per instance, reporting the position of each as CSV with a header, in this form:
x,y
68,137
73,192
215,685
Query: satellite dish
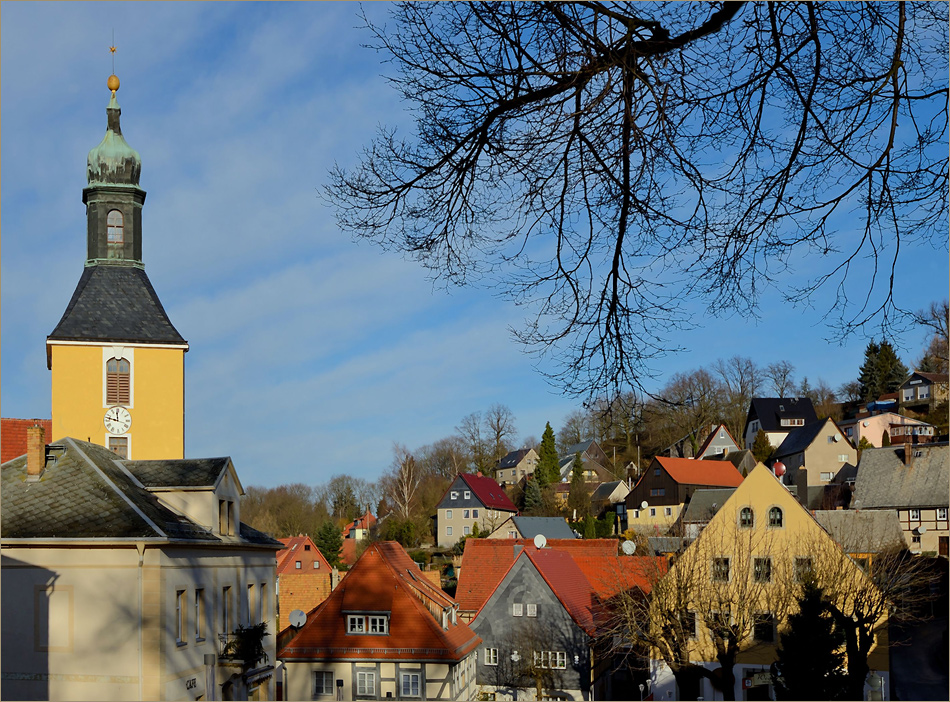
x,y
628,547
865,423
540,541
921,530
298,618
837,438
644,505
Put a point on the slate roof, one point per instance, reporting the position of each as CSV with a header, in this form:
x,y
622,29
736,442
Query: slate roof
x,y
885,482
513,458
550,527
186,472
689,471
578,448
13,436
705,503
665,544
605,490
862,531
931,377
801,438
384,579
771,410
295,550
488,492
86,494
115,303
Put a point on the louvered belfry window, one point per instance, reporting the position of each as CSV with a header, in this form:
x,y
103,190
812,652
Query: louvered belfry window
x,y
117,381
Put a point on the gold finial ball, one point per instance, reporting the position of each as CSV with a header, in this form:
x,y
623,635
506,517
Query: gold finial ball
x,y
113,83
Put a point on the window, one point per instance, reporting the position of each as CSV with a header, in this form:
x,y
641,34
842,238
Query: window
x,y
657,492
306,547
378,625
448,514
923,392
915,515
636,514
517,609
849,431
942,514
531,610
199,614
550,659
843,457
262,603
119,445
316,564
653,511
118,381
355,624
908,394
468,495
455,495
915,538
827,477
466,514
410,684
226,517
803,568
657,471
668,511
491,656
322,682
688,622
722,433
862,563
250,603
115,227
764,628
762,570
775,517
720,570
746,517
180,616
466,530
474,514
297,565
792,422
366,683
448,531
226,610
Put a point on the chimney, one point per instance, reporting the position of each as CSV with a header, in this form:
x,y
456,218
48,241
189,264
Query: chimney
x,y
334,578
35,452
908,454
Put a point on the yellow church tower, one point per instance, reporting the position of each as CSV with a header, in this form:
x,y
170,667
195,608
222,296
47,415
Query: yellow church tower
x,y
118,363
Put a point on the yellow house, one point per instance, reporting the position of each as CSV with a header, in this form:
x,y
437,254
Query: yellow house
x,y
741,576
127,580
117,362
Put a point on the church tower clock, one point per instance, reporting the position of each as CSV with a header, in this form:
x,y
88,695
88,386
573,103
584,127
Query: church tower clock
x,y
117,362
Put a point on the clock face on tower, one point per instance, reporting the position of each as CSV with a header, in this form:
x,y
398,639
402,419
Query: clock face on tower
x,y
117,420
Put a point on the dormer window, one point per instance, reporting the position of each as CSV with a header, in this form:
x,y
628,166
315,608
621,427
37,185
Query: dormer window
x,y
363,624
118,382
226,517
468,495
115,228
455,495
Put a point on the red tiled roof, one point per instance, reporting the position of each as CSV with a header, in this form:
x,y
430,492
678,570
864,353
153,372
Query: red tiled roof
x,y
610,575
688,471
567,582
488,492
295,550
383,577
13,436
364,522
348,552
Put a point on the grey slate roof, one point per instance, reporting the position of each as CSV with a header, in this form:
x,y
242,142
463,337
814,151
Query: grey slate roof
x,y
578,448
513,458
885,482
771,410
115,303
740,459
701,509
665,544
550,527
604,490
862,531
86,494
801,438
189,472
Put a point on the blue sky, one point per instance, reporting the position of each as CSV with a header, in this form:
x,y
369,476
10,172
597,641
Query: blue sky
x,y
310,354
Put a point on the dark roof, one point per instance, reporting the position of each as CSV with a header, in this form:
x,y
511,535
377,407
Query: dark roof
x,y
740,459
86,494
665,544
578,448
605,490
115,303
488,492
931,377
187,472
885,482
513,458
862,531
705,503
550,527
771,410
801,438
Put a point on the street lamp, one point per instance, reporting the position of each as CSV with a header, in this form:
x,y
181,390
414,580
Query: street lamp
x,y
876,683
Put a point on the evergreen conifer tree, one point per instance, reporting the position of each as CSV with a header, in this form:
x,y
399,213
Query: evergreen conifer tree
x,y
579,496
329,541
547,470
590,528
810,657
761,448
882,371
532,496
885,439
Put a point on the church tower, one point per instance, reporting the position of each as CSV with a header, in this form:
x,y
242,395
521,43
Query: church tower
x,y
118,363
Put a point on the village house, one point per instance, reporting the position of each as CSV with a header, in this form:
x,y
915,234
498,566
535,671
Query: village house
x,y
304,577
529,527
516,465
718,443
898,428
819,448
471,499
777,416
922,392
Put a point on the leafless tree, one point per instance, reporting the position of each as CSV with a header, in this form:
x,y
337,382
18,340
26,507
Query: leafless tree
x,y
741,380
500,426
603,163
781,375
446,457
471,430
937,318
576,428
401,483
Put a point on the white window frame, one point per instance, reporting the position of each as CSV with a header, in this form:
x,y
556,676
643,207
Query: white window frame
x,y
827,476
531,610
454,495
668,511
448,514
467,494
413,680
112,441
942,514
324,676
366,683
716,573
466,514
914,515
297,565
226,606
762,569
120,352
355,624
474,514
491,656
378,624
517,609
466,530
653,511
448,531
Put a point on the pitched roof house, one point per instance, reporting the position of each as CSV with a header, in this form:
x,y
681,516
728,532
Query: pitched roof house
x,y
529,527
595,462
718,443
610,497
471,499
385,632
898,428
821,448
304,577
921,392
777,416
516,465
911,481
124,579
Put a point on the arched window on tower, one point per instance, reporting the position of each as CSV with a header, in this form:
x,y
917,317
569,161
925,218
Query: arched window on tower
x,y
118,381
115,228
